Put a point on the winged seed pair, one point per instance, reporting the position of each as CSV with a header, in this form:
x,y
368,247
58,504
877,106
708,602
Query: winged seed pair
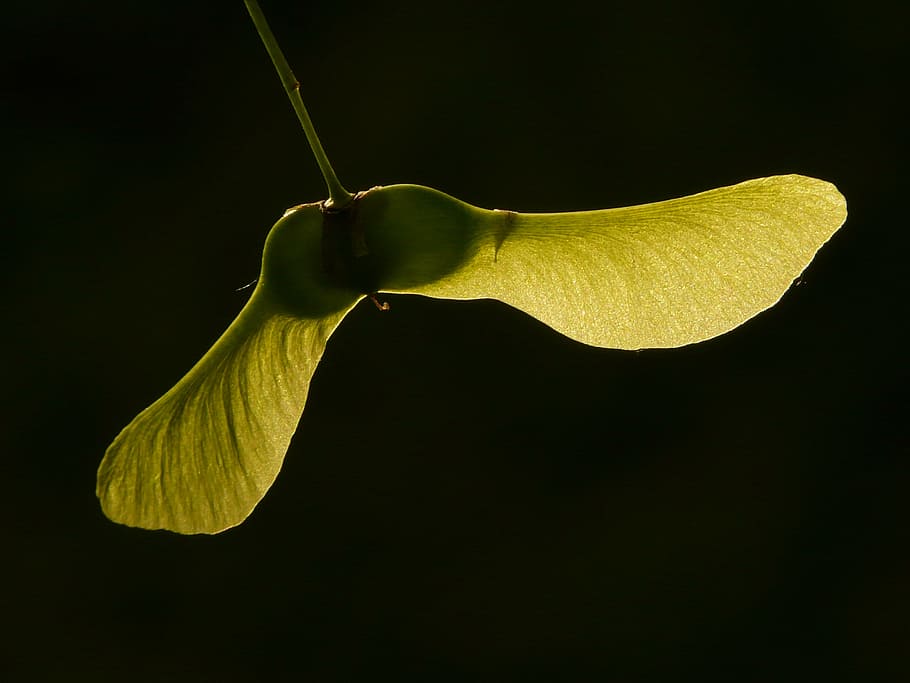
x,y
667,274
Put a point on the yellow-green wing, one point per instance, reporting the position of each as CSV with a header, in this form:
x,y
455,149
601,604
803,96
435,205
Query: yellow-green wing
x,y
657,275
200,458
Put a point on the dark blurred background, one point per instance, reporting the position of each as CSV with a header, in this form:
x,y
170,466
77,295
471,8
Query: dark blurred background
x,y
470,496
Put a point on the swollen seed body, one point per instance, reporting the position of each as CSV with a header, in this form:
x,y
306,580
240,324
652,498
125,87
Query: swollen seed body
x,y
389,238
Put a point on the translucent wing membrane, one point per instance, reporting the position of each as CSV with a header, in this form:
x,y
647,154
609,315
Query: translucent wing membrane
x,y
657,275
200,458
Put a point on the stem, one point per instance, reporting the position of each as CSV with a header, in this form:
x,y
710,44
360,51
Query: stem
x,y
338,196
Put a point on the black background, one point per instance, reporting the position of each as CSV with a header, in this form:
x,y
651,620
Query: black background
x,y
470,496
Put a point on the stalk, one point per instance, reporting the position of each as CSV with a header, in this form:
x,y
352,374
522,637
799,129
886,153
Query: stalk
x,y
338,196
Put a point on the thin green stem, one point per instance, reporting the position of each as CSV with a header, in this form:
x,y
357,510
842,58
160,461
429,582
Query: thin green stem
x,y
338,196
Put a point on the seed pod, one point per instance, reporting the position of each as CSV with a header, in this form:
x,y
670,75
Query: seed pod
x,y
201,457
